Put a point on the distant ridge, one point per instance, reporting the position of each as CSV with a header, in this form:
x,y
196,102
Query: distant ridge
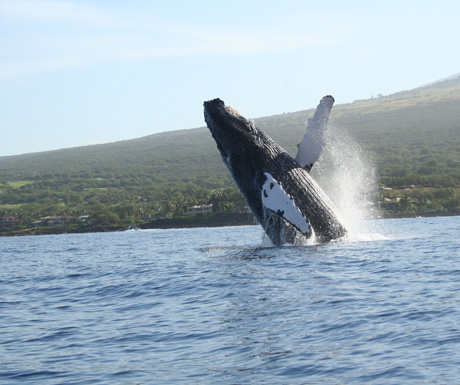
x,y
370,104
411,137
414,116
444,80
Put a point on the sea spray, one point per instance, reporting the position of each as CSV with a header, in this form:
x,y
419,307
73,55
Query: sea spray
x,y
346,173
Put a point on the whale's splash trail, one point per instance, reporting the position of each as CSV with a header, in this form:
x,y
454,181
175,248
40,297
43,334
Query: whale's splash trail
x,y
347,174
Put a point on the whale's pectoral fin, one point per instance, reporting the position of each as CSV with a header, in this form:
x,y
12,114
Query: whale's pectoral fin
x,y
277,201
312,144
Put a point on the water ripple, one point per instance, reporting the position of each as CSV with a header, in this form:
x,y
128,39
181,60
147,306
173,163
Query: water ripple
x,y
192,306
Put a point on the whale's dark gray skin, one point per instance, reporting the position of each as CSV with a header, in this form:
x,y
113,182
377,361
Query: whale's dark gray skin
x,y
287,202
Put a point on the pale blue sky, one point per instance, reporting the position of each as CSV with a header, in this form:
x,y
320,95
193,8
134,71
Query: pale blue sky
x,y
81,72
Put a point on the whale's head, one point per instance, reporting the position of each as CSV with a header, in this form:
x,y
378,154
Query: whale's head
x,y
233,133
246,150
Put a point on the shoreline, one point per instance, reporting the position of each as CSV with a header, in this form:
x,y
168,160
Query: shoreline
x,y
211,220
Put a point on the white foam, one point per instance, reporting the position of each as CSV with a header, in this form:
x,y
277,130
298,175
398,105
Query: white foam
x,y
347,175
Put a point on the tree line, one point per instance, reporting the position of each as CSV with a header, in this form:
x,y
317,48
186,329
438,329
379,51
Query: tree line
x,y
413,138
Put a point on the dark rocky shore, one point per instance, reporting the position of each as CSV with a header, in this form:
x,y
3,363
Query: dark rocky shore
x,y
212,220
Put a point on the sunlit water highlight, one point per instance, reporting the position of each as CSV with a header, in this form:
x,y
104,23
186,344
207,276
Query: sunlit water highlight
x,y
214,306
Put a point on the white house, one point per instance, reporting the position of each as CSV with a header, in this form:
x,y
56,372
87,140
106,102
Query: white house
x,y
199,210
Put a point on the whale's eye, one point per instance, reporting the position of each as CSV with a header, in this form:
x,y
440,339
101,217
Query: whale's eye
x,y
271,185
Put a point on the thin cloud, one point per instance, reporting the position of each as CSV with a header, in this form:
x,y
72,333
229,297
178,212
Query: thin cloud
x,y
26,10
50,44
244,44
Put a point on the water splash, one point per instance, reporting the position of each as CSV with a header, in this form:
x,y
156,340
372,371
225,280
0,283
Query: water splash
x,y
347,174
345,171
300,240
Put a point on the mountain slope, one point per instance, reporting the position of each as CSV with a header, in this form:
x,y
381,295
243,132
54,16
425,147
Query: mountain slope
x,y
411,135
418,117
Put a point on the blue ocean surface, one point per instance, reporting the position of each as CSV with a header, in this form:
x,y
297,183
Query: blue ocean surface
x,y
219,306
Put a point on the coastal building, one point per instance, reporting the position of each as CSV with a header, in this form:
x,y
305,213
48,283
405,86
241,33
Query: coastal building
x,y
59,221
52,221
199,210
8,222
84,219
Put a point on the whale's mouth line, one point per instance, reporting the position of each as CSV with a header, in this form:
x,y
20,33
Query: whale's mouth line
x,y
214,132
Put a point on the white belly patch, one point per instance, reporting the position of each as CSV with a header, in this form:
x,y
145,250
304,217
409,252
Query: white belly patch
x,y
277,200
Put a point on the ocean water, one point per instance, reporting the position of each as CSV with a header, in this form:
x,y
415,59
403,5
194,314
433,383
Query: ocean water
x,y
219,306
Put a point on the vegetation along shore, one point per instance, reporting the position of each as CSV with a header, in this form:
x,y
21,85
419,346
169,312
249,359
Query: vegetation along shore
x,y
177,179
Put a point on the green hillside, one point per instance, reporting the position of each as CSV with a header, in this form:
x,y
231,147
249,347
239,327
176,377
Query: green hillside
x,y
413,138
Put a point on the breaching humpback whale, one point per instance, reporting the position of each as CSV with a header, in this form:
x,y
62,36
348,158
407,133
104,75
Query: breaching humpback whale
x,y
290,206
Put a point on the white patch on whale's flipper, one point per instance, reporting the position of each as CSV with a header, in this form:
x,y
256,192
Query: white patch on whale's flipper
x,y
312,144
277,200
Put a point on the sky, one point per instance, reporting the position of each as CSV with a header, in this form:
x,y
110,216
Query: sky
x,y
81,72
